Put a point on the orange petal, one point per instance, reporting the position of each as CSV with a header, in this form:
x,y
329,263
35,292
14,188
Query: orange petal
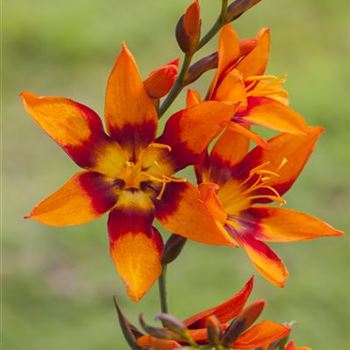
x,y
230,149
232,89
75,127
274,115
193,98
225,311
84,197
247,45
228,52
255,62
161,80
265,260
183,211
135,246
286,225
263,333
244,130
157,344
188,135
291,346
286,156
130,114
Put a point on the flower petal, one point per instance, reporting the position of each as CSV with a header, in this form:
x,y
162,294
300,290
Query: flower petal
x,y
255,62
135,246
286,157
225,311
228,53
86,196
183,211
75,127
263,333
265,260
245,131
232,89
229,149
286,225
193,98
161,80
188,135
274,115
130,114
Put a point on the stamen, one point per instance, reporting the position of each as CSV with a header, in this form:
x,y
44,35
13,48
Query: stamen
x,y
270,85
164,180
160,145
263,176
283,163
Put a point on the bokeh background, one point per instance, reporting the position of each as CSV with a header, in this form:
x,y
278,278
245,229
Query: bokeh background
x,y
58,282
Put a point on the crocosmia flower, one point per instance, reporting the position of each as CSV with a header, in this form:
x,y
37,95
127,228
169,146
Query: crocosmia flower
x,y
241,78
237,185
234,324
127,172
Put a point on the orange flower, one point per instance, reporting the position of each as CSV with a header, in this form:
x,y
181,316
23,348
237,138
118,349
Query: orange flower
x,y
240,78
128,172
238,334
236,184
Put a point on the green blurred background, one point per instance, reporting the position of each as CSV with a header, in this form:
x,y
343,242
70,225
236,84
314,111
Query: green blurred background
x,y
58,282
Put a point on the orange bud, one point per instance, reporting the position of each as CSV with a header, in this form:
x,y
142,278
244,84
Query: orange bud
x,y
161,80
188,29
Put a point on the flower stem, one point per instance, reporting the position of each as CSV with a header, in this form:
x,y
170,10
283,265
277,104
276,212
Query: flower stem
x,y
162,290
178,86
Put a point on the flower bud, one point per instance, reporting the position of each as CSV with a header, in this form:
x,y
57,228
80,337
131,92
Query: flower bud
x,y
203,65
130,332
161,80
233,331
172,323
173,248
214,330
252,312
155,332
238,7
188,29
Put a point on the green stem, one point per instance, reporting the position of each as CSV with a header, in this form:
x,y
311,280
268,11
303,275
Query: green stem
x,y
216,27
178,86
162,290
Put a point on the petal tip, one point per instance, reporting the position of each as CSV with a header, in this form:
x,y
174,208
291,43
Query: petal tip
x,y
27,96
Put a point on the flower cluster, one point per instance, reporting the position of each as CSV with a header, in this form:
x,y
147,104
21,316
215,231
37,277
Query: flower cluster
x,y
230,325
129,171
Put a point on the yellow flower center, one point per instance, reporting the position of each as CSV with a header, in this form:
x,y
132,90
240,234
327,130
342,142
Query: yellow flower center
x,y
237,196
151,173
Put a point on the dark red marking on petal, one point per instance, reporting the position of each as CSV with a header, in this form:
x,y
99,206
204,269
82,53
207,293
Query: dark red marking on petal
x,y
170,200
135,136
101,192
122,220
